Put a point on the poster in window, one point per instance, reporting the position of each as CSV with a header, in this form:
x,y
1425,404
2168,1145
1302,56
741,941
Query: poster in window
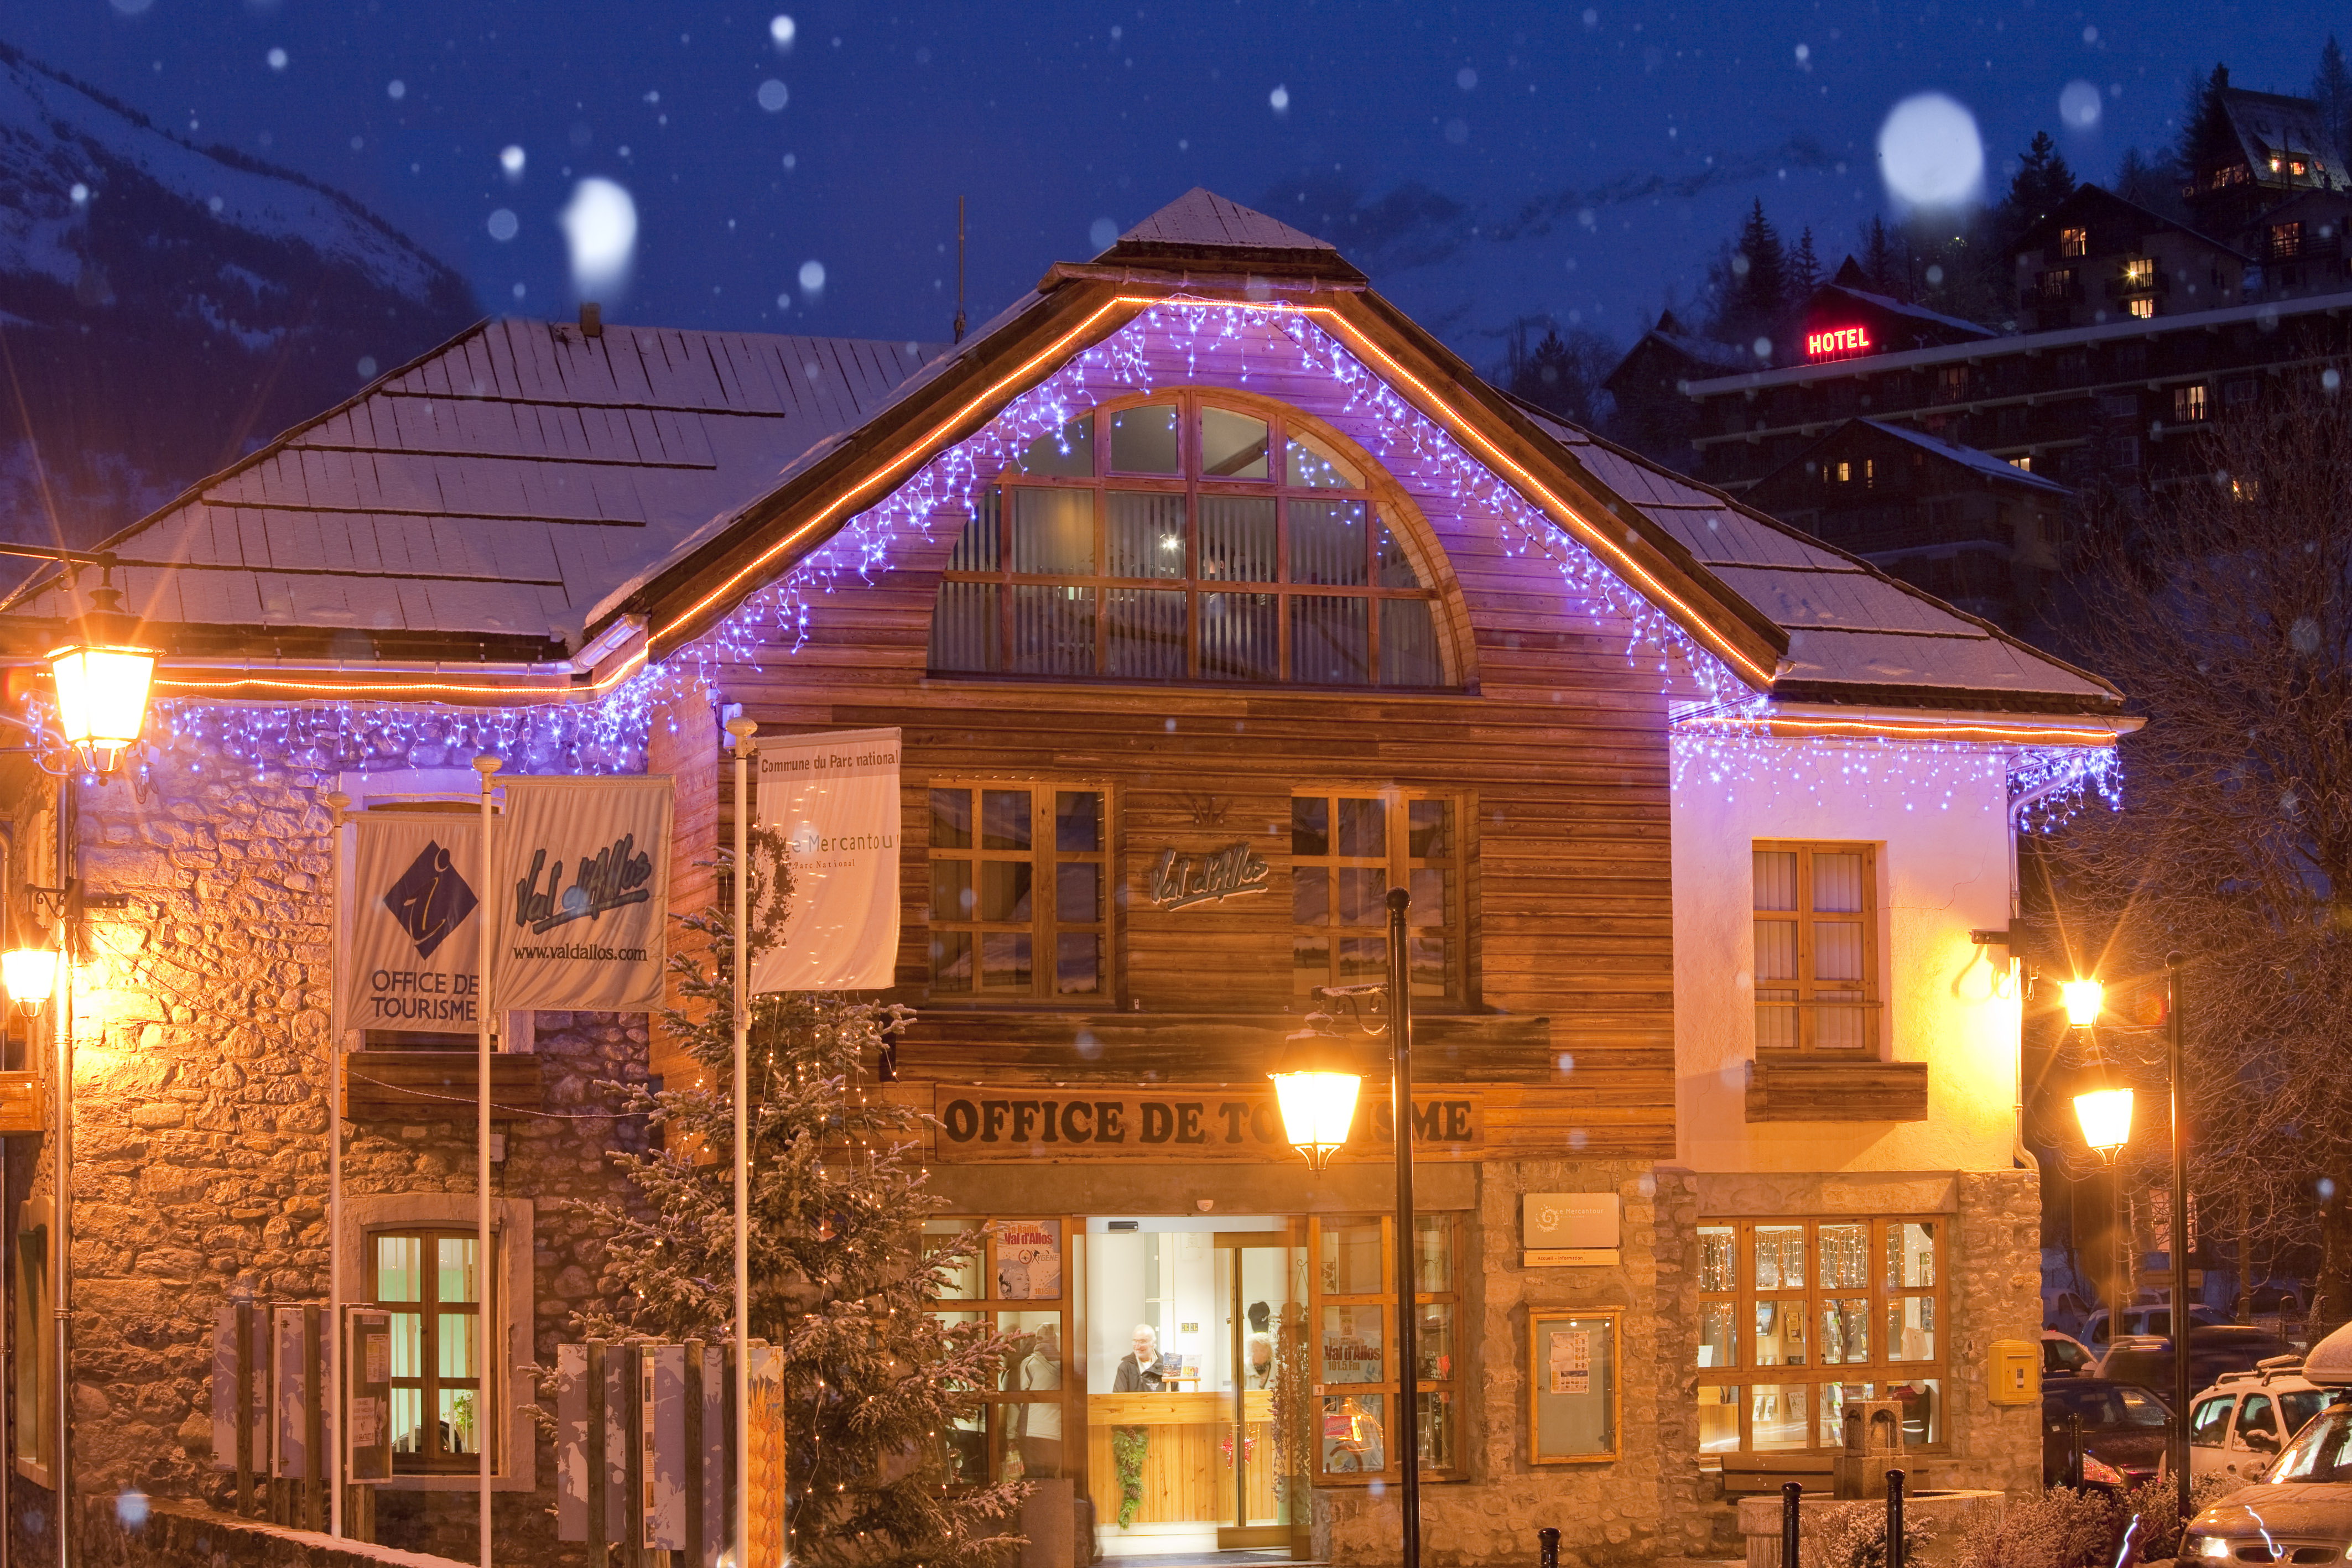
x,y
1029,1261
1573,1414
1571,1361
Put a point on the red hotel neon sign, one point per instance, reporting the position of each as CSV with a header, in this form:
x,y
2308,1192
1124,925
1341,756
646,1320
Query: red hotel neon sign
x,y
1837,342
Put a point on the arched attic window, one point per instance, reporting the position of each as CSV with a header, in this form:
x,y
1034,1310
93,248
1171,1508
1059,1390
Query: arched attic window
x,y
1179,539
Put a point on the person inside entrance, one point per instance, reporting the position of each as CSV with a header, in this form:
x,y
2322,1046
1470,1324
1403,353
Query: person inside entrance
x,y
1140,1371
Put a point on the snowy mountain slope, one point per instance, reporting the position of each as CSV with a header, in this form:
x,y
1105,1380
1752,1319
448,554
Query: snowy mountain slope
x,y
165,306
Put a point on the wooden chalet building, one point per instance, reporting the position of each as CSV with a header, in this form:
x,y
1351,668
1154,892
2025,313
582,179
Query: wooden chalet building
x,y
1200,549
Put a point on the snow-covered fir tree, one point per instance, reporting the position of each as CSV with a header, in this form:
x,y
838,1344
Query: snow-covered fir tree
x,y
875,1383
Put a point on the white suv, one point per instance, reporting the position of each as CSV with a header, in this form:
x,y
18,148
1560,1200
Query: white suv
x,y
2300,1509
2239,1425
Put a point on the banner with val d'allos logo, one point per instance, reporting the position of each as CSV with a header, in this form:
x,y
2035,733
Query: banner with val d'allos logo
x,y
583,897
414,955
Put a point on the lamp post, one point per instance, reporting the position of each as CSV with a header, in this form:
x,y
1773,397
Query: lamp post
x,y
1316,1081
2105,1115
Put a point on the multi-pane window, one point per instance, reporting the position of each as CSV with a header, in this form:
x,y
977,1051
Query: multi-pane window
x,y
430,1283
1179,541
2191,404
1018,904
1014,1282
1797,1317
2074,241
1352,1309
1345,851
1816,948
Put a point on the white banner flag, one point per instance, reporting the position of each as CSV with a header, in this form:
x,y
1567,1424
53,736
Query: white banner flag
x,y
413,959
584,894
835,798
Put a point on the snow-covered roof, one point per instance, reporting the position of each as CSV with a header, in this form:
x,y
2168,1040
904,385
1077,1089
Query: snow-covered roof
x,y
1854,632
2266,123
501,485
1983,463
1892,306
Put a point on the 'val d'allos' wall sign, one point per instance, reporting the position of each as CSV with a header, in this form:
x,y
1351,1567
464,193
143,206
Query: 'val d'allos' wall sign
x,y
1181,880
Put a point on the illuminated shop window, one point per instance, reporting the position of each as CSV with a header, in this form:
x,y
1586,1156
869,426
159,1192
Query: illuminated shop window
x,y
1353,1355
1179,541
1798,1317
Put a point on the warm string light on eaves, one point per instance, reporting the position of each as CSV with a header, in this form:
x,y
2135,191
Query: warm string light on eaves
x,y
1726,729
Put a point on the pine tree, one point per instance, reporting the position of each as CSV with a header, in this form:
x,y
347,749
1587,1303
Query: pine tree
x,y
2207,140
2041,182
2331,89
1885,261
875,1383
2143,181
1804,269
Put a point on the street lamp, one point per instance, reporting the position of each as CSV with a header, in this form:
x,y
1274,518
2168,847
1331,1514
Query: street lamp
x,y
1316,1083
2105,1115
2083,999
29,975
101,680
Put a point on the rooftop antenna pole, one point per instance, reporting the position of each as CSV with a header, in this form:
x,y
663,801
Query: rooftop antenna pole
x,y
958,321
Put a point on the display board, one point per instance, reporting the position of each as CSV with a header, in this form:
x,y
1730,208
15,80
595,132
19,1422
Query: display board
x,y
1572,1387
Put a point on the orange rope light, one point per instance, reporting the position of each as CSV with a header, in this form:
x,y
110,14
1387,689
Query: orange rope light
x,y
1910,729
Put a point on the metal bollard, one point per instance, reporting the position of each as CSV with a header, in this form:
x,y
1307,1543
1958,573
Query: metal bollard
x,y
1895,1519
1547,1550
1791,1512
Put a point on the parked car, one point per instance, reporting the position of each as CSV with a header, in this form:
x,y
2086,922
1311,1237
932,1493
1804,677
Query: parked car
x,y
2301,1510
2237,1427
2064,1310
2125,1430
2213,1349
2065,1356
2146,1318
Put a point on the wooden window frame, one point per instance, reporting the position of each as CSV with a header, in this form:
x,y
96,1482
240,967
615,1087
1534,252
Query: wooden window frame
x,y
1877,1370
1803,1002
1384,503
1045,926
1388,1387
486,1384
996,1404
1399,863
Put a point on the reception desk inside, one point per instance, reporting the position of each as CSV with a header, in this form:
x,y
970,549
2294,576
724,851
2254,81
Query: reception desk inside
x,y
1180,1449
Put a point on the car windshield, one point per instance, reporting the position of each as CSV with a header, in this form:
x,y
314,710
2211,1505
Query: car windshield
x,y
2111,1404
2301,1406
2321,1452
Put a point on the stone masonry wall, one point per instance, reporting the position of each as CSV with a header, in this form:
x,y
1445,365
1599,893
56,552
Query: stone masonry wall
x,y
201,1157
1608,1513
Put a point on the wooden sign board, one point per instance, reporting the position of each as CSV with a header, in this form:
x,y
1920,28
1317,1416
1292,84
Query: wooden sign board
x,y
1041,1123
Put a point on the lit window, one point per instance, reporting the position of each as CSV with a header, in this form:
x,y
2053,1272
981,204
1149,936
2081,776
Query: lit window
x,y
2073,242
1806,1315
2058,282
1845,472
1869,472
2139,273
429,1282
2286,240
1353,1352
2023,465
1816,948
2294,166
2142,309
2274,165
1346,853
2190,405
1190,554
1018,903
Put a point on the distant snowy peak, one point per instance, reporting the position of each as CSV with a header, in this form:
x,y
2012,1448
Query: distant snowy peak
x,y
65,149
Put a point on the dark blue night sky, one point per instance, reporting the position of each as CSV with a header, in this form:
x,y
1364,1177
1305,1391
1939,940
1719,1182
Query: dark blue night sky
x,y
1482,163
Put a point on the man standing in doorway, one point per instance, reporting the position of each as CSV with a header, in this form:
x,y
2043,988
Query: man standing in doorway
x,y
1041,1421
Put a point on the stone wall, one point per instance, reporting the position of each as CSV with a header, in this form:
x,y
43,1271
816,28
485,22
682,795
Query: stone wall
x,y
200,1159
1608,1513
190,1535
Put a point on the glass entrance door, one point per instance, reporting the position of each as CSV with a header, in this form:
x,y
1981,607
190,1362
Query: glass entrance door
x,y
1196,1369
1265,1450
